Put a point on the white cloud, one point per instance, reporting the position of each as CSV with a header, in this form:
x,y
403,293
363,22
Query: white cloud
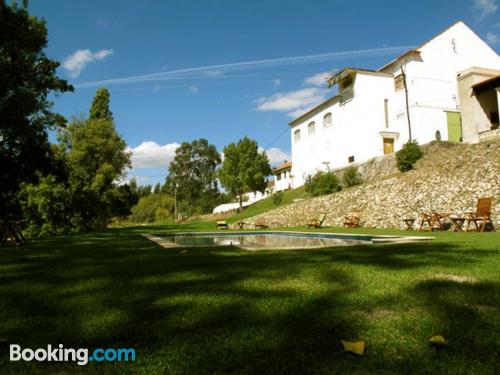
x,y
194,89
276,156
293,100
276,82
318,79
151,155
485,7
492,38
76,62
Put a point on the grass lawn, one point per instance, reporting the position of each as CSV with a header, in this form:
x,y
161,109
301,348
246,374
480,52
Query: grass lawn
x,y
268,204
224,310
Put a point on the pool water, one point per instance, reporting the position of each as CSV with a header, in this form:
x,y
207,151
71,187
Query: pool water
x,y
266,240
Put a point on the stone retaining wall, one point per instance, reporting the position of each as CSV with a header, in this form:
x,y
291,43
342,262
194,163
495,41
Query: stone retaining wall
x,y
449,179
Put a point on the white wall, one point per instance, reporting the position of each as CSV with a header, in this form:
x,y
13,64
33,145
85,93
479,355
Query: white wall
x,y
284,183
432,88
354,131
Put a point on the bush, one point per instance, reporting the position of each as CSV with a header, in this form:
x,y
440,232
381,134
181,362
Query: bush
x,y
408,155
351,177
153,207
277,198
322,183
47,207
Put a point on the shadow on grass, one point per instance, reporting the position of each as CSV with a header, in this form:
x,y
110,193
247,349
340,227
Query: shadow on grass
x,y
230,311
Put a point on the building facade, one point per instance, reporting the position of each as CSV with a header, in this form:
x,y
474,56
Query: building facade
x,y
374,112
283,177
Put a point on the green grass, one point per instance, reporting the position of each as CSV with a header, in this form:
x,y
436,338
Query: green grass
x,y
225,310
268,204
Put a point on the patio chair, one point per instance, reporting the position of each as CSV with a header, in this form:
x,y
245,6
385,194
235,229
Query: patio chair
x,y
482,216
222,224
353,220
318,222
434,220
261,223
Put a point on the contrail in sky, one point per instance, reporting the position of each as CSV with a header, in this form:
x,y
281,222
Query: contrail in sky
x,y
214,71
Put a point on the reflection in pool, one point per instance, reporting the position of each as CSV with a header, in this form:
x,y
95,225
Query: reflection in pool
x,y
266,240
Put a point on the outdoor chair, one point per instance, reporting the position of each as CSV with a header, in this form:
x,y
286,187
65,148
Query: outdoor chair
x,y
222,224
11,230
433,220
261,224
353,220
318,222
482,216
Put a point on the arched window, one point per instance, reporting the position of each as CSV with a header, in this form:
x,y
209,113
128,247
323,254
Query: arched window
x,y
311,128
327,120
296,135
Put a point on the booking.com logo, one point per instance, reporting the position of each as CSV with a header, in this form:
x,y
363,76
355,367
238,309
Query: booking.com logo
x,y
80,356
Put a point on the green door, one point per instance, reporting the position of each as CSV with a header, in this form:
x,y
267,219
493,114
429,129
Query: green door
x,y
454,126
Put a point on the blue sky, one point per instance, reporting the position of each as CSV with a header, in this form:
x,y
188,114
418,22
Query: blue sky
x,y
222,69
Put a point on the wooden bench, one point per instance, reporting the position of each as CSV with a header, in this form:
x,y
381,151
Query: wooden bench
x,y
261,224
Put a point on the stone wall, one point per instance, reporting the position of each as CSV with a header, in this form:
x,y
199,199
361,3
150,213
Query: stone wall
x,y
449,179
373,169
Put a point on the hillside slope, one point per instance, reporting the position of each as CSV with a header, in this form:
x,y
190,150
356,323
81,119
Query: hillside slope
x,y
450,178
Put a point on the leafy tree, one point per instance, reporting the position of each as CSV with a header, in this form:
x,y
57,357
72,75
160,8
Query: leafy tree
x,y
99,110
47,206
153,207
27,76
157,188
408,155
192,175
97,159
244,168
322,183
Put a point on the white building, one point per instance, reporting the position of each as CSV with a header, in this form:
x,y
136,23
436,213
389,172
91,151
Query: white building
x,y
369,117
283,177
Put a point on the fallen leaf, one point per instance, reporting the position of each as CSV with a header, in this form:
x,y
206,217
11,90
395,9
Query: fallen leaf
x,y
354,347
438,341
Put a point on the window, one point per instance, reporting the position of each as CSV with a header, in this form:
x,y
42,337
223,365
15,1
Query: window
x,y
327,120
346,83
386,112
350,159
278,176
311,128
296,135
399,83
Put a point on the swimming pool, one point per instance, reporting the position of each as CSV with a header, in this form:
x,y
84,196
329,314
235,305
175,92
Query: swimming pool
x,y
272,239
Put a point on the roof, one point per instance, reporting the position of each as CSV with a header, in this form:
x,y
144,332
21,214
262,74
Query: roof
x,y
314,110
416,51
349,71
285,165
407,54
488,84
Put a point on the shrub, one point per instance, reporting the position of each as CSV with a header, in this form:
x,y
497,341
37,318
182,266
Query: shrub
x,y
322,183
351,177
408,155
277,198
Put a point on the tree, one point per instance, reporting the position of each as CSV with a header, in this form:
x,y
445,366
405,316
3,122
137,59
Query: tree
x,y
244,168
27,76
99,110
97,159
192,175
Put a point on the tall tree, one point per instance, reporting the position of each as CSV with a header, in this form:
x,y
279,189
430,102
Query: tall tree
x,y
99,110
97,159
244,168
192,175
27,76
